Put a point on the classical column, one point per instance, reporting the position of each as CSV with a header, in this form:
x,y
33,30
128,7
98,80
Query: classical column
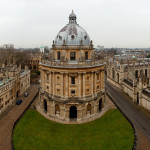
x,y
83,84
101,80
50,83
79,84
66,85
95,82
53,83
41,83
44,81
92,83
62,83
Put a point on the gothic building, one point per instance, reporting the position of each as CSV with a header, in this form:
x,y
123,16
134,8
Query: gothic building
x,y
14,81
133,77
72,81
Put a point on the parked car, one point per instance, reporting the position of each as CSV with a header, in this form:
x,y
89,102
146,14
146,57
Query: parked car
x,y
26,94
19,102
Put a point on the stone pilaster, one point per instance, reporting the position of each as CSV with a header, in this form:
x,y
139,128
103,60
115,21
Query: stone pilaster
x,y
50,85
53,83
84,84
92,83
95,82
79,84
66,85
62,84
101,79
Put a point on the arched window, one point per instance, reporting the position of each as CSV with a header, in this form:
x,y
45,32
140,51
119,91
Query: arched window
x,y
72,37
117,77
113,74
145,72
136,74
89,109
57,110
45,105
100,105
137,97
86,55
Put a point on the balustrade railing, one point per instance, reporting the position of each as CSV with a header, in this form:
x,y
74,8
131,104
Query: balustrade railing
x,y
73,63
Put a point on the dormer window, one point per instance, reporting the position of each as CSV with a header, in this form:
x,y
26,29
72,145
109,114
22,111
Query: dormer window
x,y
60,37
72,37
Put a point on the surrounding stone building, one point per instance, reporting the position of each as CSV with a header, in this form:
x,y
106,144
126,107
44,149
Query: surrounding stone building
x,y
133,77
72,81
32,60
13,82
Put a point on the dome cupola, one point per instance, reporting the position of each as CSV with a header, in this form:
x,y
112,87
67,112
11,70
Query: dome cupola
x,y
72,34
72,18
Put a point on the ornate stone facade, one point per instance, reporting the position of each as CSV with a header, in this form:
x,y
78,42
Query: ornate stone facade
x,y
72,82
133,77
32,61
14,81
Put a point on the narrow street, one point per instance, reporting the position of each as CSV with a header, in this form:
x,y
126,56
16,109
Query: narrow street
x,y
8,120
137,115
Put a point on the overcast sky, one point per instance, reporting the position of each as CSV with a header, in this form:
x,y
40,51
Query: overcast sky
x,y
110,23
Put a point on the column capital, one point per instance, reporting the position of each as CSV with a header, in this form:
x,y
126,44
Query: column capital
x,y
66,73
62,73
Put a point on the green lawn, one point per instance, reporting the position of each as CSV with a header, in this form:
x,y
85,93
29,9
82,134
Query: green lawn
x,y
110,132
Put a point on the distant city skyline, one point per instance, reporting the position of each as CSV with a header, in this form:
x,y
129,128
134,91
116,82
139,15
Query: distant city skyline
x,y
109,23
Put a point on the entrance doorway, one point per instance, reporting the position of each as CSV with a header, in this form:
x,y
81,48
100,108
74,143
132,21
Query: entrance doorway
x,y
73,113
100,105
45,105
137,98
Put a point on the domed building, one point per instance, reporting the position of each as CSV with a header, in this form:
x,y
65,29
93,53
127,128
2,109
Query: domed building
x,y
72,81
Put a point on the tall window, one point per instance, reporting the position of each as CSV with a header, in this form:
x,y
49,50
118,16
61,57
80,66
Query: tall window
x,y
146,72
72,80
58,55
72,56
47,76
113,74
117,77
141,72
97,76
86,55
136,74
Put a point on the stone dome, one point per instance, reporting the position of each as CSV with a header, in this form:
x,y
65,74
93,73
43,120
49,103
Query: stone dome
x,y
72,34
